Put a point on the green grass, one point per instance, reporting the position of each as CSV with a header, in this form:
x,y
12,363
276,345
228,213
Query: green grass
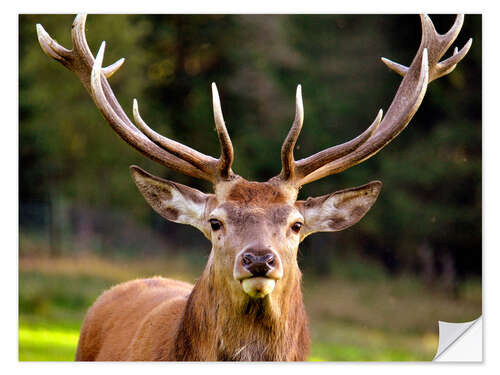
x,y
351,319
42,342
49,342
334,341
339,352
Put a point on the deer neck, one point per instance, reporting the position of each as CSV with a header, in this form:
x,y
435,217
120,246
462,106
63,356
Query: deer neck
x,y
218,327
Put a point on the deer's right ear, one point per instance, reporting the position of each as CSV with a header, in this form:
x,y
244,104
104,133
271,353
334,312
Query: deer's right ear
x,y
339,210
173,201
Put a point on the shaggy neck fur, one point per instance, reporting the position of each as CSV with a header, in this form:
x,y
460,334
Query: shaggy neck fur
x,y
215,327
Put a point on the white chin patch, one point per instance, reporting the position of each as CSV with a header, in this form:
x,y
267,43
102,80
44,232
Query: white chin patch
x,y
258,287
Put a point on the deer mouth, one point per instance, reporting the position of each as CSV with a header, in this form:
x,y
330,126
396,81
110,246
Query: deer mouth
x,y
258,287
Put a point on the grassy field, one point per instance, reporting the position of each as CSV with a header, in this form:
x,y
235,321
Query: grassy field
x,y
374,318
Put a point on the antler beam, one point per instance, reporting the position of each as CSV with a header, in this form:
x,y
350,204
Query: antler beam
x,y
163,150
424,68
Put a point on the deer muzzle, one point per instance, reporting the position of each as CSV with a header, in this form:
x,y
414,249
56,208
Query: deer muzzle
x,y
258,269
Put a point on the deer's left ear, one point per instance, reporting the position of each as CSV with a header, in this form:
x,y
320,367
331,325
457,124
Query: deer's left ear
x,y
175,202
339,210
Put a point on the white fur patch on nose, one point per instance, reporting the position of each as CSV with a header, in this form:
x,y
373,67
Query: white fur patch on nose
x,y
258,287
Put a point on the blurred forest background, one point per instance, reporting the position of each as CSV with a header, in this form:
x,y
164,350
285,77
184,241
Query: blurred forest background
x,y
83,226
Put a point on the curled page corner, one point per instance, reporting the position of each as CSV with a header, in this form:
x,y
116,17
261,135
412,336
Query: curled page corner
x,y
453,335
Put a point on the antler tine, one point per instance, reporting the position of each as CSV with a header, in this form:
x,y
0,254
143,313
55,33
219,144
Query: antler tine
x,y
80,59
424,68
437,45
135,139
50,46
113,68
199,160
226,147
167,152
287,159
399,114
447,66
311,163
82,62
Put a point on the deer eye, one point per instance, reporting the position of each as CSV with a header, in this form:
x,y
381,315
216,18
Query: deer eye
x,y
296,226
215,224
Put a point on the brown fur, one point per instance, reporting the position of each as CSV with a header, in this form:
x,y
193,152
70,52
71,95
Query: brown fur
x,y
112,326
216,328
245,217
255,193
162,319
216,320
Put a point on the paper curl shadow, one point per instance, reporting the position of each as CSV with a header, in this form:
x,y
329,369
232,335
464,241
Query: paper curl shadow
x,y
451,333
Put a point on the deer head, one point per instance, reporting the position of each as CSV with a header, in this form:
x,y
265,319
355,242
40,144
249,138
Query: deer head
x,y
256,227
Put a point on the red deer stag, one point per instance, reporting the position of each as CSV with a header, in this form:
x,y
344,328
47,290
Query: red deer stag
x,y
247,304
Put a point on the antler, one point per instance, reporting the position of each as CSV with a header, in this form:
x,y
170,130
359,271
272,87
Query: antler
x,y
424,68
163,150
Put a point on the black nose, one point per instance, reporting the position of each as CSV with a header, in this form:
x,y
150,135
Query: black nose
x,y
258,262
